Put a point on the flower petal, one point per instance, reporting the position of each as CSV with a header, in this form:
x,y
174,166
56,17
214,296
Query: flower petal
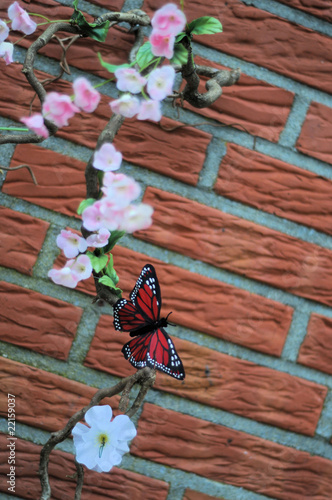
x,y
98,413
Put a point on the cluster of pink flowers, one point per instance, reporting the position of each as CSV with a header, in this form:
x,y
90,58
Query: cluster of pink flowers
x,y
76,269
167,23
159,85
59,108
20,22
115,210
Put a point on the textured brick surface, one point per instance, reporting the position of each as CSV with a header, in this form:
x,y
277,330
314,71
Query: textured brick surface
x,y
276,187
195,495
316,350
55,399
117,484
22,237
266,40
251,105
212,307
230,456
319,8
114,5
222,381
183,153
316,135
239,246
35,321
54,190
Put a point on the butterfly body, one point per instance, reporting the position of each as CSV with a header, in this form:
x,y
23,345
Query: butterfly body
x,y
140,316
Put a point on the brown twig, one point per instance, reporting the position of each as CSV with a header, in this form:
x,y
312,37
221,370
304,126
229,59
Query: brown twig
x,y
80,479
18,168
218,79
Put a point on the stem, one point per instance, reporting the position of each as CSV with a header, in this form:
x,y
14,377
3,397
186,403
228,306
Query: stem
x,y
56,21
39,15
18,129
103,83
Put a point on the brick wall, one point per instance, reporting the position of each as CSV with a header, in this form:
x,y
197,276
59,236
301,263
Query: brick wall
x,y
242,245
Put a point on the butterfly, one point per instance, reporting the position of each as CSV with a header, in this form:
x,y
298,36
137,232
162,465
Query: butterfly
x,y
151,345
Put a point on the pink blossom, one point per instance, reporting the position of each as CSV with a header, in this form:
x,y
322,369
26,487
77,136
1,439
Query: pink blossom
x,y
86,97
81,267
92,217
70,243
150,110
4,30
20,19
126,106
129,80
99,239
107,158
136,217
120,189
65,277
58,108
102,213
160,82
36,124
169,18
162,44
6,51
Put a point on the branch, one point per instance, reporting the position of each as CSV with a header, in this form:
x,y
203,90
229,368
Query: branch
x,y
218,79
18,168
146,377
132,17
34,48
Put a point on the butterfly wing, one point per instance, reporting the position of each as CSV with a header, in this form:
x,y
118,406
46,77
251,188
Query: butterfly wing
x,y
146,294
156,350
127,317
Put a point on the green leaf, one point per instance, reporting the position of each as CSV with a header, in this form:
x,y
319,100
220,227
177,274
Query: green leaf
x,y
144,55
180,54
96,31
112,67
205,26
180,36
98,263
113,239
85,204
105,280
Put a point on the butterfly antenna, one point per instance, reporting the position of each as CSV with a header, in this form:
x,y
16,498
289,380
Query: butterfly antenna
x,y
172,324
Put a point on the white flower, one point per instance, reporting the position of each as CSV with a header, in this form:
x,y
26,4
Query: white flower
x,y
101,445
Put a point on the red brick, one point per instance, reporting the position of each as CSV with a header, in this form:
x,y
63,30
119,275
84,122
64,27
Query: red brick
x,y
183,153
319,8
316,134
213,307
222,381
114,6
231,456
316,350
266,40
276,187
55,329
22,237
55,399
239,246
251,105
119,484
61,181
195,495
